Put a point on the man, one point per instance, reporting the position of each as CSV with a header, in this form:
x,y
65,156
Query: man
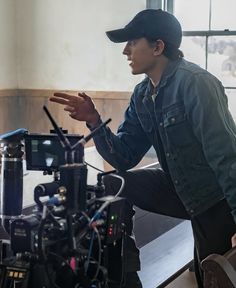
x,y
181,110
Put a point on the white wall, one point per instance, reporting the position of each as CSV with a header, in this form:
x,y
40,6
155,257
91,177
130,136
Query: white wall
x,y
62,44
8,79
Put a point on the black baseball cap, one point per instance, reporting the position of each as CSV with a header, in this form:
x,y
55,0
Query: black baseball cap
x,y
152,24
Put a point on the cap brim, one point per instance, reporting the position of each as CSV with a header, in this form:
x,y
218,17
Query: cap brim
x,y
118,36
123,35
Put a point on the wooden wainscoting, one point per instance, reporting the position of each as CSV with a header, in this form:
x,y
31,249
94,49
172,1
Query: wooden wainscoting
x,y
24,108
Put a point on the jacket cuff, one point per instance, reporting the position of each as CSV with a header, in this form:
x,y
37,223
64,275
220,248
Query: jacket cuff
x,y
99,122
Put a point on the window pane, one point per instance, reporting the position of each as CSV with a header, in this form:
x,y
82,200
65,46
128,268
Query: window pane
x,y
222,59
194,49
192,14
223,15
231,93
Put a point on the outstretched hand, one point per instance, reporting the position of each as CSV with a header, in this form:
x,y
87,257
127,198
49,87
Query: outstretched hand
x,y
80,107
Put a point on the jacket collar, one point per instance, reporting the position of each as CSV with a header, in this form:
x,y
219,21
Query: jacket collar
x,y
167,74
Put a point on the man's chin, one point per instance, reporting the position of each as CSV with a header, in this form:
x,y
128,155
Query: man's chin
x,y
136,72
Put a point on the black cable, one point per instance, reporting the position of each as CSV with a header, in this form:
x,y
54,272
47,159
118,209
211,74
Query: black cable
x,y
99,253
50,278
123,258
94,167
42,256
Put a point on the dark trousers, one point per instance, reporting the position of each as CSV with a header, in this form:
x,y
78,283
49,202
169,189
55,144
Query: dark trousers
x,y
151,190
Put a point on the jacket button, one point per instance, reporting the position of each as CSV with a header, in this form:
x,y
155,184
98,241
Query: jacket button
x,y
167,154
161,124
176,182
172,120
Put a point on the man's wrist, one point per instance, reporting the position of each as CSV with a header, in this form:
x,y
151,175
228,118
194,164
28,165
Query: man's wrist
x,y
95,122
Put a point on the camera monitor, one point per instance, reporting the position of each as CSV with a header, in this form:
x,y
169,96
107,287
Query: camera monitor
x,y
44,152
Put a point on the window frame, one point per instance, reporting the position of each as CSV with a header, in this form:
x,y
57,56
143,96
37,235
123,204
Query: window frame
x,y
168,5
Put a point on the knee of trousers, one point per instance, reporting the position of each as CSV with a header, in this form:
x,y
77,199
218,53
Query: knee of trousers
x,y
112,185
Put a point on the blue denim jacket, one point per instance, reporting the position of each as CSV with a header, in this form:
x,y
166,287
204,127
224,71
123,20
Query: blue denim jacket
x,y
191,129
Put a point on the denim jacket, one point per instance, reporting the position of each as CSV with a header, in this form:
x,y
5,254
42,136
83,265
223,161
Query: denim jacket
x,y
193,133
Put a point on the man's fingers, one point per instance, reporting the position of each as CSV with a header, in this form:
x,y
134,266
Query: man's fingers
x,y
59,100
65,96
73,115
69,109
68,99
83,95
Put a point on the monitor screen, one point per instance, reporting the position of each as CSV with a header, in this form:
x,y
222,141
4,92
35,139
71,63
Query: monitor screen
x,y
44,151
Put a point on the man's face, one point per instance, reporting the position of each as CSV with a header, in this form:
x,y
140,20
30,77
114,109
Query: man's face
x,y
140,53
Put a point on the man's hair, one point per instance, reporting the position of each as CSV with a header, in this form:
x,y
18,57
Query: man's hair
x,y
170,51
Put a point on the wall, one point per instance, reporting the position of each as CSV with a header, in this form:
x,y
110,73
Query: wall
x,y
8,78
61,45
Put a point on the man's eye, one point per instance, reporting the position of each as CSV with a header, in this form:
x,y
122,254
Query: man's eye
x,y
131,42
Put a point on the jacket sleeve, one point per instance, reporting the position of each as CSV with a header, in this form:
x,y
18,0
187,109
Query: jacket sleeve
x,y
214,127
125,149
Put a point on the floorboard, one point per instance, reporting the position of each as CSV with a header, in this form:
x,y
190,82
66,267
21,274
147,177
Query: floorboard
x,y
165,255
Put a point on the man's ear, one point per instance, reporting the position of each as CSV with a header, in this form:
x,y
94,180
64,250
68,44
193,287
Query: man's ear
x,y
159,47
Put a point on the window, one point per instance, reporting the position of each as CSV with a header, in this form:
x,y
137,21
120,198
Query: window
x,y
209,37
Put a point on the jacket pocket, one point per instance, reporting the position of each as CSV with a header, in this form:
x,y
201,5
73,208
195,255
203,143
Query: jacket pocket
x,y
177,127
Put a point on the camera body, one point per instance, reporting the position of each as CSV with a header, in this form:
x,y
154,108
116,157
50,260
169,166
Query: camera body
x,y
67,239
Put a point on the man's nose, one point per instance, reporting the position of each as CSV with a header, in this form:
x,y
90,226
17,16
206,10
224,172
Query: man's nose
x,y
126,50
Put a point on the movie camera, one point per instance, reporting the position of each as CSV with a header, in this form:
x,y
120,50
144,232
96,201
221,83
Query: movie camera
x,y
67,239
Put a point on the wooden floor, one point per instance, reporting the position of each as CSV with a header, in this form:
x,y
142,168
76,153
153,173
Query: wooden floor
x,y
165,255
185,280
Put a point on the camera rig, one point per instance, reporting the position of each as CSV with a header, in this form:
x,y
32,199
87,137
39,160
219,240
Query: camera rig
x,y
68,238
